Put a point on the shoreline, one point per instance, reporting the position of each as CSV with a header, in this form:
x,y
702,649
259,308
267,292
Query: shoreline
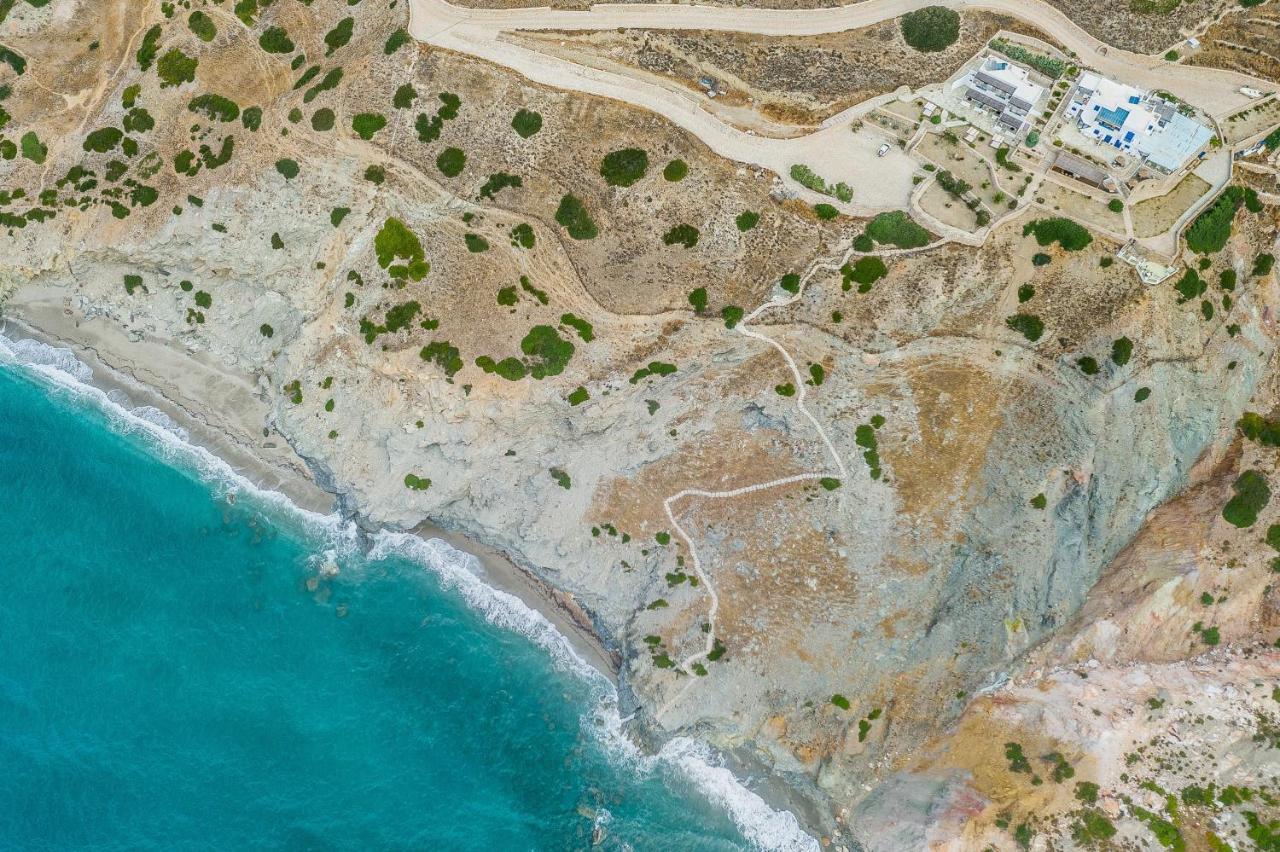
x,y
266,460
227,419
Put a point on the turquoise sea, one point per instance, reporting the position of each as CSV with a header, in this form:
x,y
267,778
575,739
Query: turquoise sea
x,y
188,663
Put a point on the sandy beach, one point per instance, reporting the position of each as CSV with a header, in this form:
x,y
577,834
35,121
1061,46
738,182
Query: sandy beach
x,y
227,414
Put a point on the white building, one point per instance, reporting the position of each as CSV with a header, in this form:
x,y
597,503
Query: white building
x,y
1136,122
1005,89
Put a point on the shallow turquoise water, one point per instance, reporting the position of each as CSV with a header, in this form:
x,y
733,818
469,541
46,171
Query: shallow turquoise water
x,y
176,673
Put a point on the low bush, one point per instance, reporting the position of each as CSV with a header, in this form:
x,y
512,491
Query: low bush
x,y
573,217
624,167
896,228
275,40
1028,325
747,220
675,171
1252,494
526,123
684,235
451,162
1064,232
366,124
931,29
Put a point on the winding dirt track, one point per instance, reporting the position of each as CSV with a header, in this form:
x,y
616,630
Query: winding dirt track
x,y
832,151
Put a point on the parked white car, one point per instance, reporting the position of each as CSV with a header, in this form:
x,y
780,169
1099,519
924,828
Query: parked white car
x,y
884,149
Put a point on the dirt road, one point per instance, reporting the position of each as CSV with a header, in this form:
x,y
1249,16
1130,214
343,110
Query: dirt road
x,y
833,151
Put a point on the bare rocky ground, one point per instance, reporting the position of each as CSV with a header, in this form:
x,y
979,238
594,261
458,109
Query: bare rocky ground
x,y
1245,40
1023,515
798,80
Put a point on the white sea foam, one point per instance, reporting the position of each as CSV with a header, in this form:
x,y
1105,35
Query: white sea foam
x,y
764,827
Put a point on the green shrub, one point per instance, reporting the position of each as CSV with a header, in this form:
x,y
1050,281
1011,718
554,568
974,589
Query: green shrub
x,y
573,217
251,118
931,29
863,243
1189,286
526,123
1171,56
32,148
416,483
1255,427
747,220
732,315
1028,325
785,389
698,298
579,396
375,174
790,282
275,40
287,167
451,162
147,51
395,241
1093,826
522,236
444,355
215,107
829,483
896,228
547,352
1025,293
404,97
1046,65
1251,496
825,211
578,324
1115,205
395,41
1121,351
864,272
365,124
1209,233
1263,264
1227,280
840,701
339,36
684,235
176,68
202,25
1088,365
1142,394
337,215
266,330
330,81
498,182
1064,232
654,368
624,167
323,119
675,171
475,243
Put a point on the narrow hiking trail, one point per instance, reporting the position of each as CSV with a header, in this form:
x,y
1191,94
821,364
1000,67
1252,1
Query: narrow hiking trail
x,y
840,472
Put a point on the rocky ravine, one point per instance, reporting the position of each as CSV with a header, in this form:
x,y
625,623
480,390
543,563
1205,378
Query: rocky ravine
x,y
1004,480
